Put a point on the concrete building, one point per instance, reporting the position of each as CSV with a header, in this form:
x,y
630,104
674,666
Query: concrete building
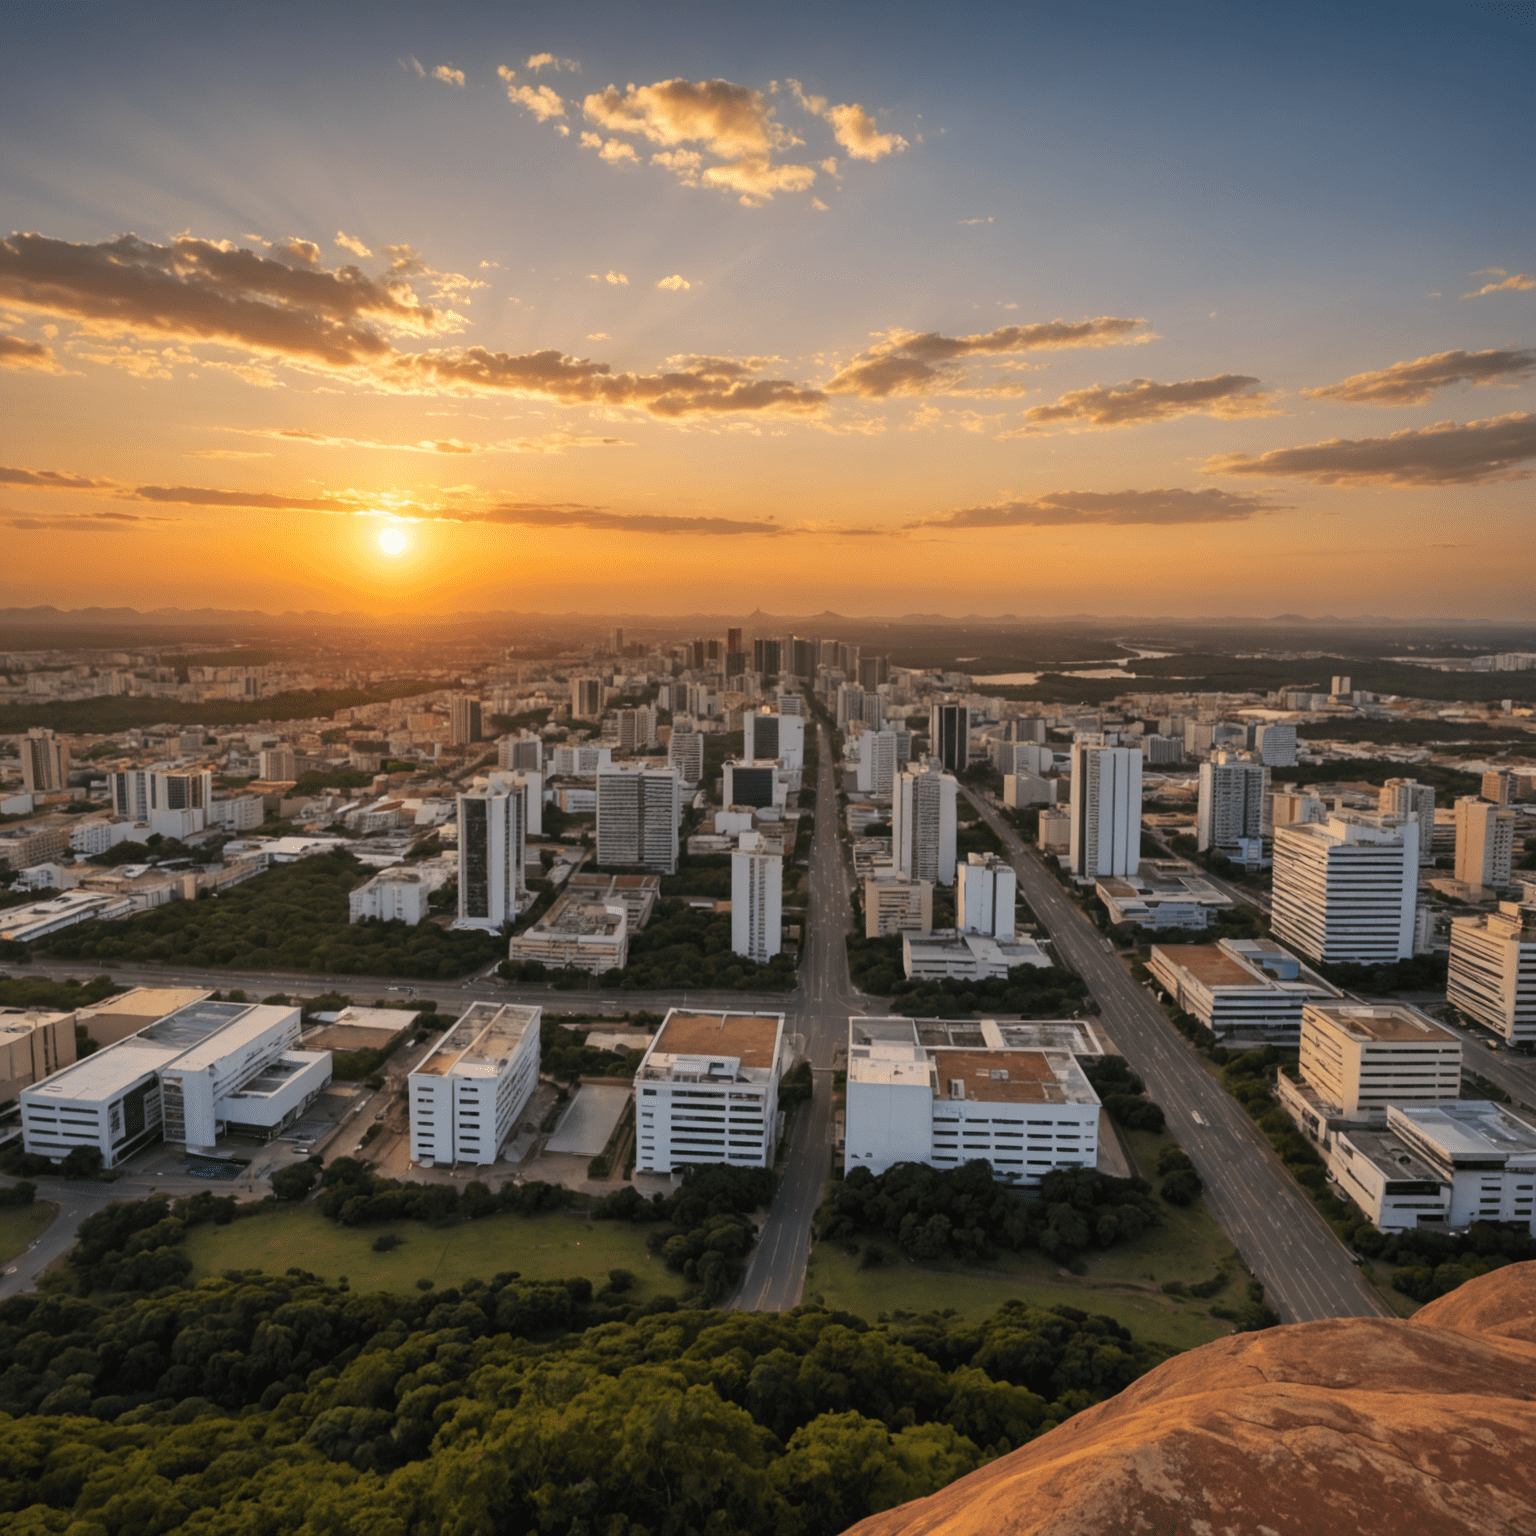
x,y
586,698
637,894
1288,807
576,933
685,753
849,705
277,765
467,1092
945,954
1022,757
1022,790
923,824
44,762
493,834
1485,843
1162,893
1363,1058
205,1070
1234,799
1157,750
239,813
1484,1154
1407,797
1275,745
638,810
893,904
1106,810
707,1091
580,762
759,785
1025,1111
34,1044
37,919
771,734
396,895
1493,970
1498,787
1247,992
1347,889
637,729
879,763
986,890
757,903
464,720
523,751
171,801
1054,829
949,737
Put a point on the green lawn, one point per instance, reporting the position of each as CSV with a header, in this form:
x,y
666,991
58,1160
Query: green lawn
x,y
21,1225
551,1247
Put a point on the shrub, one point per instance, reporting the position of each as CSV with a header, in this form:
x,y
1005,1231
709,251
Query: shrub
x,y
387,1242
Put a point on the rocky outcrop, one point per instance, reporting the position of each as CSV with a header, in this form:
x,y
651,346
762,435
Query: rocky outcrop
x,y
1351,1427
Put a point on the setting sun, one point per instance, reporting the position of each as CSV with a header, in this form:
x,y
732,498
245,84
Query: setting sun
x,y
392,540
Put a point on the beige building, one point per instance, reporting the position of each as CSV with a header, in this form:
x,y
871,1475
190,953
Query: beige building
x,y
1246,990
1493,970
44,762
34,1042
1360,1059
897,905
1485,842
126,1014
577,933
1407,797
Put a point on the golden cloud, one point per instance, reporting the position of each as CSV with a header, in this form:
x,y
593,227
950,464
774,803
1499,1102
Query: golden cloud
x,y
1415,382
51,479
852,127
1109,508
1144,400
541,100
18,352
1519,282
352,243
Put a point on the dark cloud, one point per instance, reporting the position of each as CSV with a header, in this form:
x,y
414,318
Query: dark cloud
x,y
1143,400
202,496
51,479
573,515
1114,508
1445,454
920,362
18,352
1415,382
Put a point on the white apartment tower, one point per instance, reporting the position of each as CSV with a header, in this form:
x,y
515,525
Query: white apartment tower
x,y
685,753
1493,970
1347,889
469,1089
1407,797
1275,745
493,831
923,824
772,735
1234,795
637,815
174,801
637,729
757,904
985,890
1485,842
878,761
44,762
1106,810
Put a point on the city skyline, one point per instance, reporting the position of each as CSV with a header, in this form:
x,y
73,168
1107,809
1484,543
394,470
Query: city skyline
x,y
874,312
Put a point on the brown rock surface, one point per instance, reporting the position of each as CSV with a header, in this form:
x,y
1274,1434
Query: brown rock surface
x,y
1342,1428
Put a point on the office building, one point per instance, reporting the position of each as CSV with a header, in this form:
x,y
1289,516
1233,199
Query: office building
x,y
1234,793
946,954
171,801
463,720
1361,1058
470,1088
525,750
1482,1153
34,1044
758,786
1023,757
1158,750
878,763
1105,828
397,895
1407,797
1341,686
1054,829
277,765
850,704
1347,889
493,833
637,729
638,810
985,891
1162,893
1247,992
771,734
766,658
923,827
579,762
757,903
733,646
616,640
44,762
205,1070
873,671
707,1091
949,736
896,905
1275,745
685,753
1498,787
586,697
1021,790
1025,728
1485,842
1493,970
1288,807
579,932
915,1097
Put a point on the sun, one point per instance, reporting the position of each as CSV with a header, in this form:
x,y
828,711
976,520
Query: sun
x,y
392,540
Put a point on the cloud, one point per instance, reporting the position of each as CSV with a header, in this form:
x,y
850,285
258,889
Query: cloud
x,y
51,479
919,362
17,352
202,496
1519,282
86,522
541,100
1415,382
546,442
978,221
1109,508
618,279
343,323
572,515
674,283
1143,400
852,126
1478,453
538,61
352,243
448,74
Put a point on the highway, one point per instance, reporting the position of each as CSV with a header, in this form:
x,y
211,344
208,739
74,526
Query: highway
x,y
1307,1273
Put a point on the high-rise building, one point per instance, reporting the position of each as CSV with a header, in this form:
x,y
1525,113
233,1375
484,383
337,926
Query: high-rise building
x,y
756,786
1493,970
733,646
985,890
757,904
637,729
1024,728
949,736
278,764
1288,806
1275,745
1407,797
874,670
523,751
44,762
766,656
768,734
637,815
1498,787
1360,1060
493,833
850,704
1485,842
803,657
923,826
586,697
735,664
463,720
1341,685
685,752
1106,810
877,763
874,710
1234,796
616,640
173,801
1346,889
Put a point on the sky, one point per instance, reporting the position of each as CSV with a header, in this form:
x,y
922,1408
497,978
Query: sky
x,y
1027,308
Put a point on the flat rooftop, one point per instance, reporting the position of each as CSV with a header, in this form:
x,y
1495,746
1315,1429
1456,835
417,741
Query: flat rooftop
x,y
481,1043
1017,1077
752,1038
1385,1026
1471,1128
579,912
142,1006
1210,965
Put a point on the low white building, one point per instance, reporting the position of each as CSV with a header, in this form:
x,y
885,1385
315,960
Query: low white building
x,y
707,1091
468,1091
240,813
1243,990
22,925
946,954
1162,894
1025,1109
392,895
579,933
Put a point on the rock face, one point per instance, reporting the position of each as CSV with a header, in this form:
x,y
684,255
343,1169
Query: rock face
x,y
1345,1428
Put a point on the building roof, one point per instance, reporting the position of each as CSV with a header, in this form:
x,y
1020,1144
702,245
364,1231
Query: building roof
x,y
1383,1026
1472,1128
1210,965
1011,1077
751,1038
481,1043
